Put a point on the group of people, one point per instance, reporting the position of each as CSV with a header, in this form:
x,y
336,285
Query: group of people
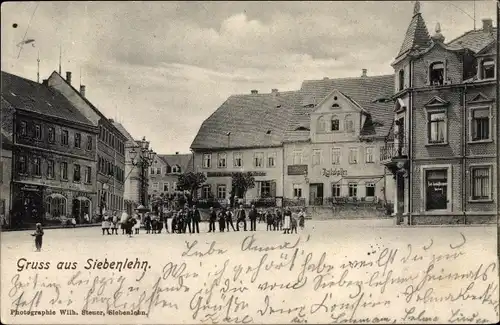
x,y
128,224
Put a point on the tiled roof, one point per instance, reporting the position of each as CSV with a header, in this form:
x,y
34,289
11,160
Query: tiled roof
x,y
362,90
416,35
25,94
475,40
184,161
123,131
251,120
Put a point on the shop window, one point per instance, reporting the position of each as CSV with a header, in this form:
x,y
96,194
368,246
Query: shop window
x,y
221,191
353,189
64,137
481,183
78,140
64,170
436,187
38,132
488,69
436,74
297,191
56,206
322,124
370,189
265,189
221,160
437,127
237,159
401,79
259,159
335,124
50,169
22,166
480,124
336,156
207,160
51,135
76,173
336,190
36,167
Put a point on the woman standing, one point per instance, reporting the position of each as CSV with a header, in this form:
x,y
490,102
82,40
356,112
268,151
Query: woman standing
x,y
114,224
302,218
287,221
137,225
105,224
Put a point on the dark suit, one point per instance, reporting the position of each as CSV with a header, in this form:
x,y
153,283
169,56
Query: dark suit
x,y
196,221
212,220
241,217
253,219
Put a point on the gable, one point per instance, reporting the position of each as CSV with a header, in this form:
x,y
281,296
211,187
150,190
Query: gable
x,y
436,101
337,102
479,98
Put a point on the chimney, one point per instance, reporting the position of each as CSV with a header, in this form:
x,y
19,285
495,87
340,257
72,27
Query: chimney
x,y
82,90
177,152
68,77
274,90
45,82
325,78
111,120
254,91
364,73
488,25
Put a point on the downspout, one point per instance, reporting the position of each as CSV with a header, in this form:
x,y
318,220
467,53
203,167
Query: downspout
x,y
464,152
410,147
283,176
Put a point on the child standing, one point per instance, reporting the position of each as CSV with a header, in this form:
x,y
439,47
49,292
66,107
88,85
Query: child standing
x,y
137,225
302,217
38,237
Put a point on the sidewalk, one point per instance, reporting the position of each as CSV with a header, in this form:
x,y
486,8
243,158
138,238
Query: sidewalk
x,y
84,225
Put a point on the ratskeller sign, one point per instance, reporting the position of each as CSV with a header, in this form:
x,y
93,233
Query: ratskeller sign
x,y
334,172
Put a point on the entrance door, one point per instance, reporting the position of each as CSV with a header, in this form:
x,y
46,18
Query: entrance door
x,y
400,188
316,194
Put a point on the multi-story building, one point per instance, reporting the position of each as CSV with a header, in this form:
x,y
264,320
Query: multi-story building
x,y
5,176
442,147
165,170
244,134
332,145
54,153
110,146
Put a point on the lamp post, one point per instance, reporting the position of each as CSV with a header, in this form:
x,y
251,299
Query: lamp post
x,y
142,157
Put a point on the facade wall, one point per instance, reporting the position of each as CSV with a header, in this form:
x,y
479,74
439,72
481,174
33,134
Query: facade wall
x,y
270,174
161,182
5,183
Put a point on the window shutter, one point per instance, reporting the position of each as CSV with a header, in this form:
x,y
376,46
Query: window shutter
x,y
273,188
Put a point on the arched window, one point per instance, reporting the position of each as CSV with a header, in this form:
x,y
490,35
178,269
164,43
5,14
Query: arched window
x,y
322,124
55,206
335,123
401,79
349,124
436,73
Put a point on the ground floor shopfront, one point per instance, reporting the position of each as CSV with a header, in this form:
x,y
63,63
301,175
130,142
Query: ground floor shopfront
x,y
34,203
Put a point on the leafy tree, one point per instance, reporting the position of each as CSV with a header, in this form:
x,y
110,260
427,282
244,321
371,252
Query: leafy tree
x,y
241,183
190,182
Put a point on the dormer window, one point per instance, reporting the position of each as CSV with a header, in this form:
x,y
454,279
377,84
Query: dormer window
x,y
436,74
401,79
487,69
335,124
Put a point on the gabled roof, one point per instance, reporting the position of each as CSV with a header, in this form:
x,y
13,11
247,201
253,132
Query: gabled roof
x,y
184,161
474,40
349,99
28,95
417,35
245,121
123,131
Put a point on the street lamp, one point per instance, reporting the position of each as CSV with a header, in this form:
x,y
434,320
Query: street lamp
x,y
142,156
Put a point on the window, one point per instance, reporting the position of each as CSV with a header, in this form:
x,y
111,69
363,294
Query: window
x,y
353,189
353,155
335,124
78,140
297,191
64,137
50,169
166,187
22,167
349,124
38,132
369,155
297,157
36,166
221,160
207,160
336,190
89,142
271,160
206,191
335,156
221,191
176,169
265,189
401,79
23,129
480,124
152,171
370,189
258,160
156,185
76,173
321,124
436,182
488,69
174,187
158,171
481,181
436,74
237,159
56,206
316,157
437,127
64,170
88,175
52,135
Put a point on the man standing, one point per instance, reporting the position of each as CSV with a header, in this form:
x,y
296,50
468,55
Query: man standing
x,y
212,219
241,217
229,219
253,218
196,219
189,217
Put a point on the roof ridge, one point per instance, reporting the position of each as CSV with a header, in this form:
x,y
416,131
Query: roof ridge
x,y
350,78
469,32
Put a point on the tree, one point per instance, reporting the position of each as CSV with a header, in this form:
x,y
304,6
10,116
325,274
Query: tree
x,y
241,183
191,182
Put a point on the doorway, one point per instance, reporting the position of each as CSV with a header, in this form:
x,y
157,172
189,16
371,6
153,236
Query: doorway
x,y
316,194
400,192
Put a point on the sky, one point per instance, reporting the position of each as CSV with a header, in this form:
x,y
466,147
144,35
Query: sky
x,y
162,68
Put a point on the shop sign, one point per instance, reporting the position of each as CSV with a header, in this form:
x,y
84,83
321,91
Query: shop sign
x,y
30,188
297,169
229,174
334,172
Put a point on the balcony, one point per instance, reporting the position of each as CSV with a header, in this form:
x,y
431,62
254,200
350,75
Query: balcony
x,y
393,152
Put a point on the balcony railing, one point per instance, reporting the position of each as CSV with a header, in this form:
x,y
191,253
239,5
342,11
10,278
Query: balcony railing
x,y
393,150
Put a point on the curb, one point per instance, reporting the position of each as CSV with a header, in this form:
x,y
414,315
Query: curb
x,y
55,227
